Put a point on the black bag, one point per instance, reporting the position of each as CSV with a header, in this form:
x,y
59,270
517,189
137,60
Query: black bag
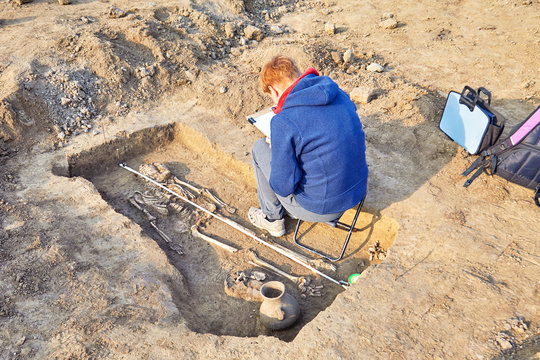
x,y
470,120
516,158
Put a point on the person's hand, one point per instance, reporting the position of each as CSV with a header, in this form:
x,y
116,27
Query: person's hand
x,y
267,139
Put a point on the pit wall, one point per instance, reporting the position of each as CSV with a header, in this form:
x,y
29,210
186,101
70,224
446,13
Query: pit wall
x,y
224,161
101,157
124,146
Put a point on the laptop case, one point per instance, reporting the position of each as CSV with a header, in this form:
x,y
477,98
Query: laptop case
x,y
466,120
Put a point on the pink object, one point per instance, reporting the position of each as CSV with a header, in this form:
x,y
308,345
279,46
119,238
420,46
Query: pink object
x,y
526,128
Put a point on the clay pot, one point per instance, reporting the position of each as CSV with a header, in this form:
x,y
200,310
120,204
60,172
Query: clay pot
x,y
279,310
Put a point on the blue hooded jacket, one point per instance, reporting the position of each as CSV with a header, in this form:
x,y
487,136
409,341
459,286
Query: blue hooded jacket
x,y
318,147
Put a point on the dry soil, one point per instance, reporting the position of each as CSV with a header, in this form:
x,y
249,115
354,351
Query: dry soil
x,y
88,85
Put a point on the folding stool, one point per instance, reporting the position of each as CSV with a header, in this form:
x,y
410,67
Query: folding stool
x,y
334,224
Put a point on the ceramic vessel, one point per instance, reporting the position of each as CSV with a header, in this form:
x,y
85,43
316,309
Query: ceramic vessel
x,y
279,310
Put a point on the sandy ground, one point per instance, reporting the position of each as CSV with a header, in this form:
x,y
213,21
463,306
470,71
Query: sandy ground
x,y
87,85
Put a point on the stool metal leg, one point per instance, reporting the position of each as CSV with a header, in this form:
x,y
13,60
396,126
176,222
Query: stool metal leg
x,y
339,224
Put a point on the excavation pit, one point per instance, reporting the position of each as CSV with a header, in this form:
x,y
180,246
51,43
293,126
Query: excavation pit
x,y
209,308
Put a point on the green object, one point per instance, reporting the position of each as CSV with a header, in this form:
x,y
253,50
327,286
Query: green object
x,y
354,278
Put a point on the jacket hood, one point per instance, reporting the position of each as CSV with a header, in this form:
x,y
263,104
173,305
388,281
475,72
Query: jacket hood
x,y
312,90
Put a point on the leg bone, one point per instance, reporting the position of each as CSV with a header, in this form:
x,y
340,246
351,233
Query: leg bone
x,y
258,262
195,232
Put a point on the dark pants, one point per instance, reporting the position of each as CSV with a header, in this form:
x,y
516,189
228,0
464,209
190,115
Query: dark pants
x,y
271,203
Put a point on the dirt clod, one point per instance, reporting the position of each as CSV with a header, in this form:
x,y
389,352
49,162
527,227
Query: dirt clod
x,y
116,13
252,33
389,23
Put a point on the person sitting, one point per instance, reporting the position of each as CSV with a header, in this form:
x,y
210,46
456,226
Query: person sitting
x,y
314,167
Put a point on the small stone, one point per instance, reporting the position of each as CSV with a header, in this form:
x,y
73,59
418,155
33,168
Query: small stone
x,y
374,67
64,2
504,343
190,75
363,94
336,56
95,132
519,329
407,106
21,341
258,275
65,101
253,33
518,324
528,84
389,24
223,90
61,135
115,13
330,28
358,53
86,20
347,56
229,28
143,72
282,10
276,29
387,15
243,41
236,51
85,112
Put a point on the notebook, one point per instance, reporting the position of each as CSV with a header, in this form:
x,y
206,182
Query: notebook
x,y
261,120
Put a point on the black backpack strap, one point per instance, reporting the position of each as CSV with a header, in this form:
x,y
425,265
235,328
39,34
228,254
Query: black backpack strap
x,y
480,169
537,195
493,162
473,166
498,148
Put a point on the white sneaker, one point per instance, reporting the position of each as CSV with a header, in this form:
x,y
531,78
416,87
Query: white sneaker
x,y
275,228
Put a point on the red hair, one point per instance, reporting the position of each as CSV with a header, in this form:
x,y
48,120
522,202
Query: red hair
x,y
278,70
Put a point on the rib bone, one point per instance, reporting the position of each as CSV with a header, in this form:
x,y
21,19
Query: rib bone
x,y
183,191
149,216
